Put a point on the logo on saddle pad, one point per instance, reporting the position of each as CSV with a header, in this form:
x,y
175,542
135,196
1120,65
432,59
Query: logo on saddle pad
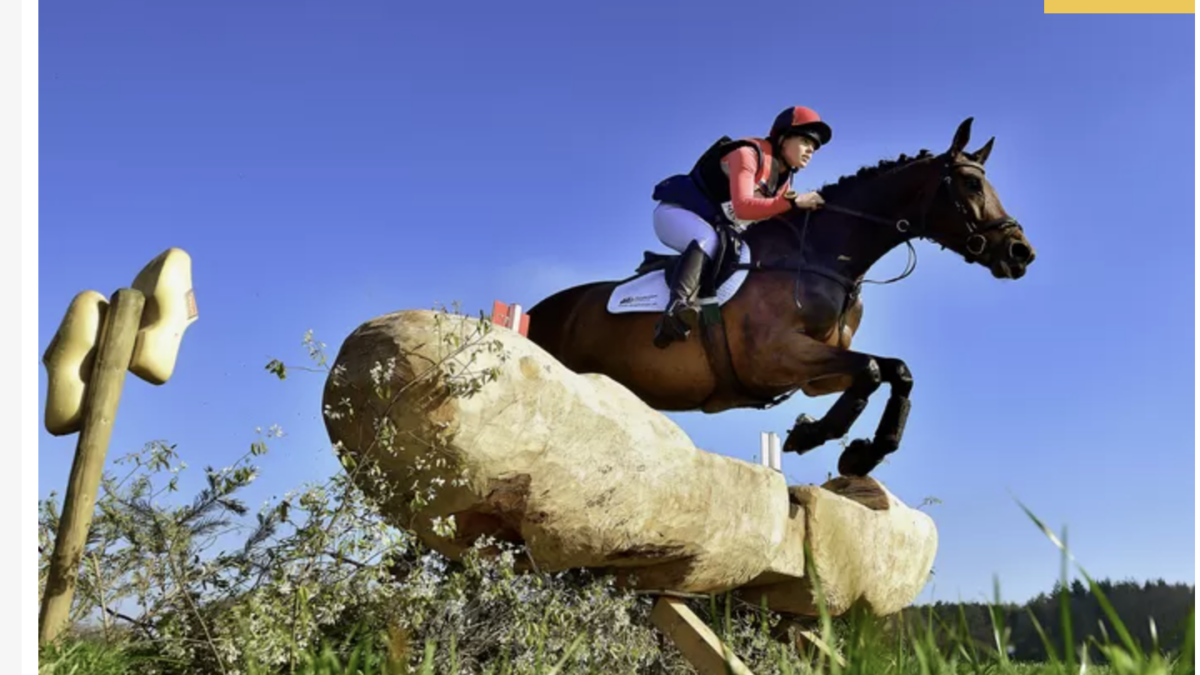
x,y
649,292
637,300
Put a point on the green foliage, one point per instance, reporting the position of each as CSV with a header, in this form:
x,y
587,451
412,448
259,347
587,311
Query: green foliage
x,y
318,582
82,656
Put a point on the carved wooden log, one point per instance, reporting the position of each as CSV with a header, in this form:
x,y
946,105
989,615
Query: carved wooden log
x,y
586,475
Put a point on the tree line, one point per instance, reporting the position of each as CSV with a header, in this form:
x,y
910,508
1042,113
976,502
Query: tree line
x,y
1154,614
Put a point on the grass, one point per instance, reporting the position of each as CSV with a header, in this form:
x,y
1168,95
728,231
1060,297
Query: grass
x,y
859,654
85,657
858,646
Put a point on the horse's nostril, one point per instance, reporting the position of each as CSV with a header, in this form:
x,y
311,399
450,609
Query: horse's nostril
x,y
1020,252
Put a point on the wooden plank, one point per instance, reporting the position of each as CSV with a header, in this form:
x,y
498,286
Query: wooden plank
x,y
699,645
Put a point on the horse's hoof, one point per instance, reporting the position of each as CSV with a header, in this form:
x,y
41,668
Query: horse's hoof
x,y
804,436
859,459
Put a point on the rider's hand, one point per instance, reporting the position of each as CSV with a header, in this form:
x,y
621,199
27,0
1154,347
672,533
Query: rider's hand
x,y
809,201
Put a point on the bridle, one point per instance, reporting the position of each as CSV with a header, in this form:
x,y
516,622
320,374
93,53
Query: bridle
x,y
975,242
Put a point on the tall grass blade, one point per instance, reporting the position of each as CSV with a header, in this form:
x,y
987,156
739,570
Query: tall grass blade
x,y
1118,625
1064,609
827,639
968,650
1187,653
999,630
567,657
1111,613
430,651
1051,653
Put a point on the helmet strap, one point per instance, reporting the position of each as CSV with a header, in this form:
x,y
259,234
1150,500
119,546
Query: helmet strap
x,y
777,148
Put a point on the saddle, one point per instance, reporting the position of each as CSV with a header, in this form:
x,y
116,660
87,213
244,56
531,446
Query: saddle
x,y
716,272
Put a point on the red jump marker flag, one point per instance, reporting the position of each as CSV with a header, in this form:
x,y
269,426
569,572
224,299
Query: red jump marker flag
x,y
510,316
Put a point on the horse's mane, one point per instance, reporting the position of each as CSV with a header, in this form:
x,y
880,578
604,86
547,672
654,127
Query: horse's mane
x,y
848,183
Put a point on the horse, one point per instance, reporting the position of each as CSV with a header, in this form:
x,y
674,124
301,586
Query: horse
x,y
781,302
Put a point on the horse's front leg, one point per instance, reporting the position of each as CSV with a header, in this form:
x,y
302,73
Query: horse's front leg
x,y
862,456
809,361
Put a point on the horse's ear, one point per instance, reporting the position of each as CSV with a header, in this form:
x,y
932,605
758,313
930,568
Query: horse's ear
x,y
981,155
961,137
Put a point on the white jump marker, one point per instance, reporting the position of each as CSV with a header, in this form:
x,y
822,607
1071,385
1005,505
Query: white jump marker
x,y
769,452
514,317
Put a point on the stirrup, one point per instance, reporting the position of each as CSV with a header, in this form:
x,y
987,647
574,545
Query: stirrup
x,y
676,324
670,329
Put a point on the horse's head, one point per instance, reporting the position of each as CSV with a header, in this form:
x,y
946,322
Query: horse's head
x,y
962,211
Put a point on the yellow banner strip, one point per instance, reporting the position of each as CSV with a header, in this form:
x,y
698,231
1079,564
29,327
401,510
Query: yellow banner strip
x,y
1119,6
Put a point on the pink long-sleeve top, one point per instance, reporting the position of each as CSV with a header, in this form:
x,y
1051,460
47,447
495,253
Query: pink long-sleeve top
x,y
748,204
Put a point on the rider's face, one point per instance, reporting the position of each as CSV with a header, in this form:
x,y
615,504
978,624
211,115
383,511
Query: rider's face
x,y
798,150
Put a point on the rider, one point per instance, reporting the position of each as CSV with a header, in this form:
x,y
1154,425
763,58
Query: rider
x,y
734,183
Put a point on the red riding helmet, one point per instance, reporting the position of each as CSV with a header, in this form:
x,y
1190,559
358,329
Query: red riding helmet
x,y
801,121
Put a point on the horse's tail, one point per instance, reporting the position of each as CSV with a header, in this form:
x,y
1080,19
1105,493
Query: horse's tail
x,y
551,319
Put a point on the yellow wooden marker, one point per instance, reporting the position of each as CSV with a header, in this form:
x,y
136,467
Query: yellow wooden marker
x,y
87,360
102,396
170,309
69,359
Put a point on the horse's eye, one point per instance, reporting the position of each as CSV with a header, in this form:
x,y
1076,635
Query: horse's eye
x,y
974,184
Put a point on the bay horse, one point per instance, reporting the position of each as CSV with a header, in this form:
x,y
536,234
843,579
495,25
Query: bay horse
x,y
781,304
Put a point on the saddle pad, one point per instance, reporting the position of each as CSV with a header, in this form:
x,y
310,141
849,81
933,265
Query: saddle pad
x,y
649,292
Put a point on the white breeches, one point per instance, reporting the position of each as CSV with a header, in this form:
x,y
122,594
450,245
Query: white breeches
x,y
678,228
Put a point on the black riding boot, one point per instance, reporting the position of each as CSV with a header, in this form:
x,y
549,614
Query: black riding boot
x,y
682,311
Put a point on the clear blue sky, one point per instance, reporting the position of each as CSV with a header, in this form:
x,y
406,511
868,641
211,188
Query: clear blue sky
x,y
325,163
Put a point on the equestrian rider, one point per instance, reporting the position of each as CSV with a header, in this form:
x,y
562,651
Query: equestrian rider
x,y
733,184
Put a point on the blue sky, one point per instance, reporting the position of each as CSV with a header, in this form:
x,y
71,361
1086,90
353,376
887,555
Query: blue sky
x,y
325,163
